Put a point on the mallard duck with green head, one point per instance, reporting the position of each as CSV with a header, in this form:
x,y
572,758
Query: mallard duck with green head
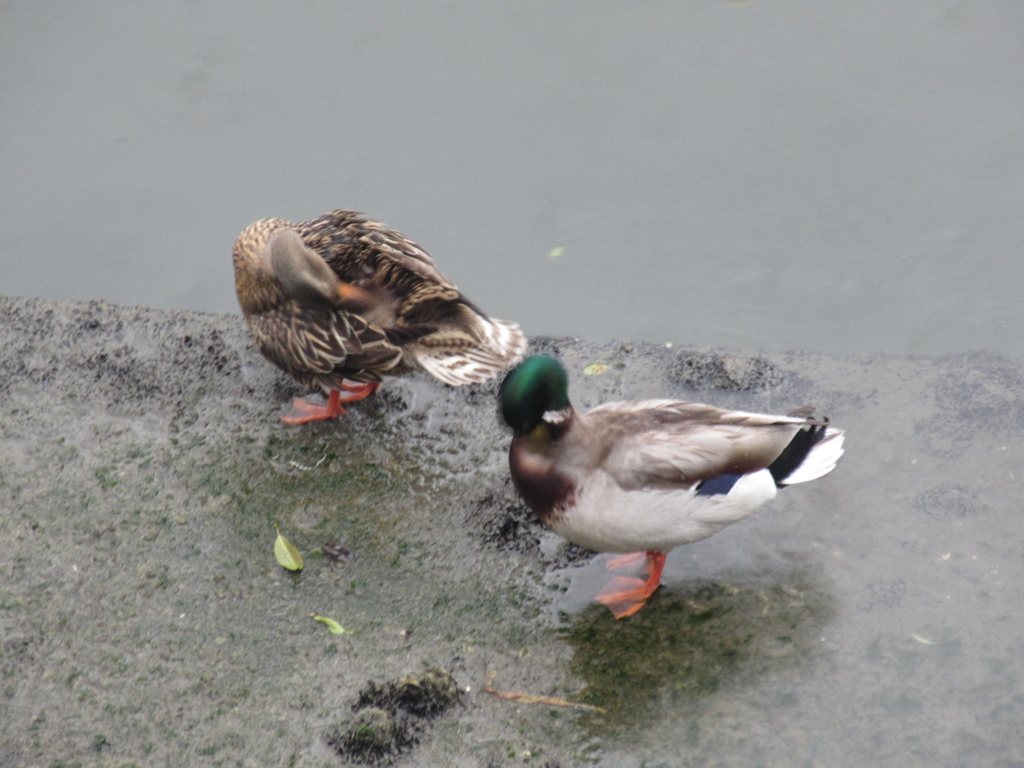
x,y
340,301
650,475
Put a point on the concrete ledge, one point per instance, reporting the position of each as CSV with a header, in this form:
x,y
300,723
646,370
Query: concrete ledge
x,y
145,621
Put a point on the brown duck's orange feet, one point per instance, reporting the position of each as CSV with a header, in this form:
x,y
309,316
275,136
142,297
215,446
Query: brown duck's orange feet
x,y
623,595
359,391
304,411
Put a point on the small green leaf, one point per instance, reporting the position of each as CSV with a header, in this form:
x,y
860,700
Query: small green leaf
x,y
595,369
556,252
286,553
335,627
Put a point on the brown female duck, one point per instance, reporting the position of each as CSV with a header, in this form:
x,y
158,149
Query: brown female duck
x,y
339,301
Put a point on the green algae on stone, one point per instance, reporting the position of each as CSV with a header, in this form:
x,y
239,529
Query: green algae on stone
x,y
690,642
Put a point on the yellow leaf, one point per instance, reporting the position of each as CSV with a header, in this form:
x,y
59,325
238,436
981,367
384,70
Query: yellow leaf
x,y
335,627
556,252
594,369
286,553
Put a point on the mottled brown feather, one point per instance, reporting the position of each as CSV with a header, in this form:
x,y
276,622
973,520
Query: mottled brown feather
x,y
415,318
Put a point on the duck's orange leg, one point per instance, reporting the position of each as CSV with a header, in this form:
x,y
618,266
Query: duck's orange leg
x,y
359,391
622,562
623,595
303,410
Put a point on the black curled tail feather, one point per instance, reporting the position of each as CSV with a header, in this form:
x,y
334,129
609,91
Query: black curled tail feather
x,y
796,452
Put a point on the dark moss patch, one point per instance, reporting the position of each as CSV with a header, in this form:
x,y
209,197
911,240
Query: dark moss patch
x,y
884,593
390,718
689,643
483,394
980,389
571,554
548,345
18,652
949,501
501,521
425,695
371,737
707,369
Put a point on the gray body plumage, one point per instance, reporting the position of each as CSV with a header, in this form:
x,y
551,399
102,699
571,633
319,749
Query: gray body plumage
x,y
628,476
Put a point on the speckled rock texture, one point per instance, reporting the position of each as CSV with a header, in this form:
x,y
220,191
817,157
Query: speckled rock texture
x,y
869,618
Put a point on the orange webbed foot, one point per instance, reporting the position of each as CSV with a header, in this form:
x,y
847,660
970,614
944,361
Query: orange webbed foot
x,y
358,391
624,595
304,411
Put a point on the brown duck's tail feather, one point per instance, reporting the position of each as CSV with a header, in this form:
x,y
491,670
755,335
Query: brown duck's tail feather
x,y
501,346
407,334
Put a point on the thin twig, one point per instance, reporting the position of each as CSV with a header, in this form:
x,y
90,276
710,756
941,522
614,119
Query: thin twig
x,y
531,698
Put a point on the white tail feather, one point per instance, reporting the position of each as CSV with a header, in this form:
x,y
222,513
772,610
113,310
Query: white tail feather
x,y
503,346
821,460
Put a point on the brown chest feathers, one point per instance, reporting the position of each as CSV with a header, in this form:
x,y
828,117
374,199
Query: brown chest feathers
x,y
545,490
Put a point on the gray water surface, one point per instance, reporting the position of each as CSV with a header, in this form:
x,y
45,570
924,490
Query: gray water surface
x,y
842,177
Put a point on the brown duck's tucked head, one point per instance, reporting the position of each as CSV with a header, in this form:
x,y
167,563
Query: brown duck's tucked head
x,y
273,266
303,275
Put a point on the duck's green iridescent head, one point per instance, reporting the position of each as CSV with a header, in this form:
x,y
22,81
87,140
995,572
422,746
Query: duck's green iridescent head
x,y
537,385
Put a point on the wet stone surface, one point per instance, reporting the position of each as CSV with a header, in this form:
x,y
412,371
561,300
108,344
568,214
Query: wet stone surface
x,y
868,618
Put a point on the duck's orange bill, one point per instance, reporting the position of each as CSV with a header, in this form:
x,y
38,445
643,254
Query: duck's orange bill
x,y
354,298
